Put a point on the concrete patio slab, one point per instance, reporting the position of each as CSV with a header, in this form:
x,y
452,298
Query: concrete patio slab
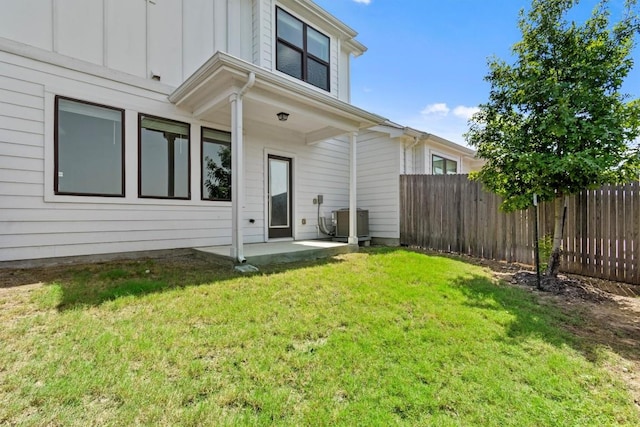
x,y
283,252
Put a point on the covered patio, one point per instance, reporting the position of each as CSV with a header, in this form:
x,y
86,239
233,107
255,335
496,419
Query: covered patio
x,y
249,99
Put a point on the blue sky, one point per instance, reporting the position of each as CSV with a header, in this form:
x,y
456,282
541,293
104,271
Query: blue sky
x,y
427,59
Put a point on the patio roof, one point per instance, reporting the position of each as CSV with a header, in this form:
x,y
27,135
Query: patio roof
x,y
313,115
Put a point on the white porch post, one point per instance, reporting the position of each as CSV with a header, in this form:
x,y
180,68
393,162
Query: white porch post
x,y
353,196
237,171
237,177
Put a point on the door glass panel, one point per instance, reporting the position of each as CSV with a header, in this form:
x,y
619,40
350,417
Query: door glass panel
x,y
279,193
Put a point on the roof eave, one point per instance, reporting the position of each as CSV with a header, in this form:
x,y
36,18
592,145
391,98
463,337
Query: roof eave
x,y
439,140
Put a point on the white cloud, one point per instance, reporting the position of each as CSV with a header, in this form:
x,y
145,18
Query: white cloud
x,y
363,1
440,109
465,112
441,120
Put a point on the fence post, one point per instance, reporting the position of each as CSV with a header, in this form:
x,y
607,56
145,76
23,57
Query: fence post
x,y
536,244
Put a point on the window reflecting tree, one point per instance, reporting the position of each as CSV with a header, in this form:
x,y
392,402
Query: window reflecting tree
x,y
218,181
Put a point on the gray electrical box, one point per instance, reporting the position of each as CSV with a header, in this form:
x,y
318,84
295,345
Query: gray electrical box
x,y
342,223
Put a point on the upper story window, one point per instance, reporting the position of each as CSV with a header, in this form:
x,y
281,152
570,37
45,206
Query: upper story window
x,y
442,166
302,52
163,157
88,146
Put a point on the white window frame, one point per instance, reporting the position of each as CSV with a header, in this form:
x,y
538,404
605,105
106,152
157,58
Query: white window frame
x,y
429,161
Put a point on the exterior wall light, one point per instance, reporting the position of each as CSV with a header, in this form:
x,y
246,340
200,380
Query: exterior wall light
x,y
282,116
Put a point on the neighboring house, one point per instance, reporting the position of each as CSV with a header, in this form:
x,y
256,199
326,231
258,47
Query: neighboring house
x,y
406,151
129,125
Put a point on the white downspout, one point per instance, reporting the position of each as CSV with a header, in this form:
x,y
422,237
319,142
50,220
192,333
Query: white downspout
x,y
415,142
237,172
353,196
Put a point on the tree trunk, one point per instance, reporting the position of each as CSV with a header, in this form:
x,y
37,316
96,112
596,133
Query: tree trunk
x,y
553,266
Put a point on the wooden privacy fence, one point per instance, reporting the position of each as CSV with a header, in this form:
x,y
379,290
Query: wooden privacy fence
x,y
451,213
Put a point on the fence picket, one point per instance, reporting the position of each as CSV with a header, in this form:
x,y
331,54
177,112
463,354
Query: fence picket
x,y
635,241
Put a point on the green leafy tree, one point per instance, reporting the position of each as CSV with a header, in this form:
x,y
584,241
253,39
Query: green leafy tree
x,y
556,121
218,180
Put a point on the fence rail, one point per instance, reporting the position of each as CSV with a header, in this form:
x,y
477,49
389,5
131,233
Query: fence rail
x,y
452,213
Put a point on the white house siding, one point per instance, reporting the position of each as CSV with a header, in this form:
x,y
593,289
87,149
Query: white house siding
x,y
198,34
408,161
335,72
344,68
323,169
105,51
35,223
28,21
263,33
166,38
240,29
420,165
125,29
379,164
317,169
88,47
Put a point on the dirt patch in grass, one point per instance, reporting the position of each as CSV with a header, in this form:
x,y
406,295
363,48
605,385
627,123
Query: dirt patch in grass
x,y
48,271
12,277
610,319
609,311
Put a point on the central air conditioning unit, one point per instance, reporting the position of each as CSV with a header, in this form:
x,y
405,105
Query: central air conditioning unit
x,y
342,224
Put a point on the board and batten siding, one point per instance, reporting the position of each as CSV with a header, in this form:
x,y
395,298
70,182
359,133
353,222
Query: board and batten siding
x,y
35,223
379,165
168,38
264,33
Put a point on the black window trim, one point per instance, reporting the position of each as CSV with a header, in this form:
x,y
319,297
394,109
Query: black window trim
x,y
304,51
202,141
140,196
444,165
56,148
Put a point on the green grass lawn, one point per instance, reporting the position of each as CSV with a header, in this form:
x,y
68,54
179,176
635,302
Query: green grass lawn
x,y
382,337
